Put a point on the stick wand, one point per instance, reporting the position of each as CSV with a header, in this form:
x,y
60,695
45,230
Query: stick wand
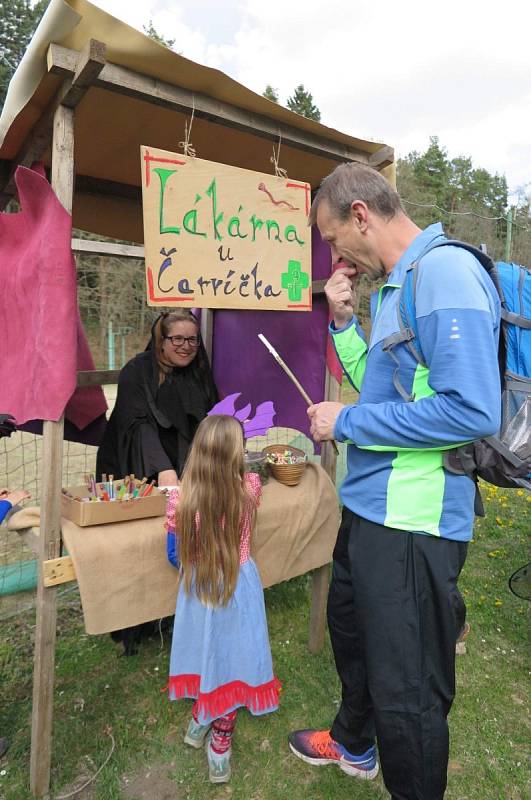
x,y
308,400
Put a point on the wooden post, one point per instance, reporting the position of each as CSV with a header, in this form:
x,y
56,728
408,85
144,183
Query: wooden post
x,y
320,577
328,455
207,330
320,580
50,528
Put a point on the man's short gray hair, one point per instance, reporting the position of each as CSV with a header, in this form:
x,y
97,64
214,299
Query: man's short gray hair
x,y
350,182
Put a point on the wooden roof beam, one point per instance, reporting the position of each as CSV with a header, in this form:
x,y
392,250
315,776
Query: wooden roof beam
x,y
79,77
382,157
132,84
85,184
94,247
90,62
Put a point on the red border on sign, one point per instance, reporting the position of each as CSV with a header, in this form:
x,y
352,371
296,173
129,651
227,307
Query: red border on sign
x,y
148,159
307,195
151,291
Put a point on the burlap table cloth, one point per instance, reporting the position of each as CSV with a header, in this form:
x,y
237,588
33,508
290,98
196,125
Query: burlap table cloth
x,y
124,576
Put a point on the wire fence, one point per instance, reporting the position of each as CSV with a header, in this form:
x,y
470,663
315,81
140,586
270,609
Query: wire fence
x,y
507,238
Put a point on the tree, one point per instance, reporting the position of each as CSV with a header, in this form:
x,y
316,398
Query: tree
x,y
156,36
431,177
471,202
432,171
270,93
18,21
302,103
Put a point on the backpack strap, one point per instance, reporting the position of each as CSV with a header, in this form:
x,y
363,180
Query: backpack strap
x,y
406,309
516,319
514,383
387,347
504,451
461,461
407,325
407,319
407,332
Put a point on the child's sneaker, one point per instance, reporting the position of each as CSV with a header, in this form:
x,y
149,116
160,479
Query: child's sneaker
x,y
218,765
318,748
196,734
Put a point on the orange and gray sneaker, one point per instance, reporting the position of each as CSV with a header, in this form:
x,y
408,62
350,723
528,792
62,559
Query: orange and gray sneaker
x,y
318,748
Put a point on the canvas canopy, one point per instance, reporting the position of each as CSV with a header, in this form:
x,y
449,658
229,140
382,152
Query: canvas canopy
x,y
129,90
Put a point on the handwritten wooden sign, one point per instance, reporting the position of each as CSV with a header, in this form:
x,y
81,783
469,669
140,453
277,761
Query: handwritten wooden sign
x,y
223,237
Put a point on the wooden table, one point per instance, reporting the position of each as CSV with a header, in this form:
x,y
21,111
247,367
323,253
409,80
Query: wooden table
x,y
125,579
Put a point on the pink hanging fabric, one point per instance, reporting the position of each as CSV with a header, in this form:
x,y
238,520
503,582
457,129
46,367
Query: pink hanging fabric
x,y
43,341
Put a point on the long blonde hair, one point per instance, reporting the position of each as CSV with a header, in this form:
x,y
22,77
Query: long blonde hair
x,y
209,515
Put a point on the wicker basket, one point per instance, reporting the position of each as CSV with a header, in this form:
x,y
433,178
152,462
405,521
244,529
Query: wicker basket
x,y
289,474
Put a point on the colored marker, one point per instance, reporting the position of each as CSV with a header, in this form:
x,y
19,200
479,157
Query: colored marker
x,y
149,489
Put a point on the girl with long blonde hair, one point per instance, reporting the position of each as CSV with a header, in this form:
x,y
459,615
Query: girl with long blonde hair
x,y
220,653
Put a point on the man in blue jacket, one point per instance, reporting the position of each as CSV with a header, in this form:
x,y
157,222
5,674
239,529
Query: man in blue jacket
x,y
394,609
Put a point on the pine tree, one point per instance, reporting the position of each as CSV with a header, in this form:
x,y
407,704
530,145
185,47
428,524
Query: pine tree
x,y
451,183
470,202
18,21
302,103
432,171
152,32
270,93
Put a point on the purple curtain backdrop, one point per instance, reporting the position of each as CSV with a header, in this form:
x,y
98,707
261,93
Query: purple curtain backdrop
x,y
242,364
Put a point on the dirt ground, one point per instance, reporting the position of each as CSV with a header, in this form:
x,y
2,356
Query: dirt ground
x,y
152,783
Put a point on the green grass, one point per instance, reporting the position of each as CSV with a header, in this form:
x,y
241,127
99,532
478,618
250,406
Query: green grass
x,y
97,691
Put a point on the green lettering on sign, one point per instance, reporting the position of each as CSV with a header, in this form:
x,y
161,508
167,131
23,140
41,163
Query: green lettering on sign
x,y
216,218
190,223
164,174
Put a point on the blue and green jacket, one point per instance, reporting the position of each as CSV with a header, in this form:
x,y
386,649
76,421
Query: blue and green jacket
x,y
395,471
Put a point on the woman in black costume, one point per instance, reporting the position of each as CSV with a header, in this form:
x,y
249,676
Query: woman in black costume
x,y
163,394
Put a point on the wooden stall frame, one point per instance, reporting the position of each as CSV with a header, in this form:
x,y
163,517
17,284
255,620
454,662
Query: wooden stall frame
x,y
80,71
50,538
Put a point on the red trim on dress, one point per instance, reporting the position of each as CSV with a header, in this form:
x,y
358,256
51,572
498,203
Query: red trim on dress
x,y
257,699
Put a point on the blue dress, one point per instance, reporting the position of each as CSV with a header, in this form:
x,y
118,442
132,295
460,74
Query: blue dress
x,y
220,656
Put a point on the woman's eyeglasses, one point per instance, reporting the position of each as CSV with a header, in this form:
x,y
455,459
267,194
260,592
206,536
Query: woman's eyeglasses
x,y
180,341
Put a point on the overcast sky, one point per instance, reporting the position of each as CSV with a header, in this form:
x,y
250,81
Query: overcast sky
x,y
396,72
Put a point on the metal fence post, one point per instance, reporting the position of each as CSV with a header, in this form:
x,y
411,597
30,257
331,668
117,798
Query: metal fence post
x,y
509,235
110,345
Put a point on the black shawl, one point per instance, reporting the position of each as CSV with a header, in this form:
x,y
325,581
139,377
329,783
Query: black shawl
x,y
151,426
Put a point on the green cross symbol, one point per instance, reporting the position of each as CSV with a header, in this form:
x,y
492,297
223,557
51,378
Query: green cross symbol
x,y
294,280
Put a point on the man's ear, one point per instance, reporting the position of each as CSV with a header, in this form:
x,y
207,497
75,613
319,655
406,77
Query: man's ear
x,y
360,215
